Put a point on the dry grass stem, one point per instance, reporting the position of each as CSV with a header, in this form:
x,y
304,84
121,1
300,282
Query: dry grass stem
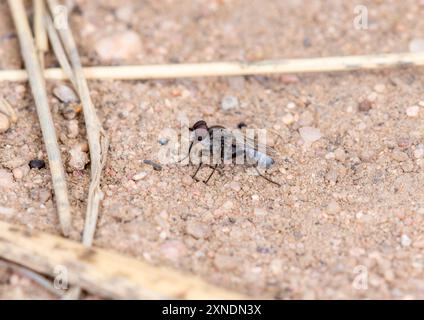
x,y
38,88
8,110
41,42
100,271
209,69
97,140
34,276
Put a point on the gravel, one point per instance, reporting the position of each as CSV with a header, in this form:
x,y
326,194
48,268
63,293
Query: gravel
x,y
65,94
310,134
412,111
4,123
229,103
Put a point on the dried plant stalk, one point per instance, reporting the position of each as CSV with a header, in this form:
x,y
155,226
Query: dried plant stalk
x,y
100,271
39,31
215,69
97,140
58,50
38,88
7,109
34,276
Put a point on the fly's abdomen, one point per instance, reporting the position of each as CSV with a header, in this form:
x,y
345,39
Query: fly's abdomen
x,y
262,159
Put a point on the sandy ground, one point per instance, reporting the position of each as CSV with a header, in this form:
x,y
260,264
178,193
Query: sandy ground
x,y
347,221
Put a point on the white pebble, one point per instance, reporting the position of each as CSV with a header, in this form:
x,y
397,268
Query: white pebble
x,y
78,158
229,102
310,134
412,111
288,119
419,151
380,88
405,241
330,156
65,94
119,46
291,105
416,45
72,128
140,175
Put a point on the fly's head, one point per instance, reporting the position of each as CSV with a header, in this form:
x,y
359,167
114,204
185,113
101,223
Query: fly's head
x,y
200,133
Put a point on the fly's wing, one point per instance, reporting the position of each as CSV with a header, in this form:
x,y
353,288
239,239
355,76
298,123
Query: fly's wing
x,y
237,145
258,153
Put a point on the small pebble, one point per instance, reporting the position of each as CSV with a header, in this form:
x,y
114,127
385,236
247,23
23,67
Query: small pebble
x,y
340,154
416,45
139,176
421,103
20,172
288,119
173,250
310,134
260,212
6,179
412,111
419,151
276,266
333,207
4,123
197,230
20,89
187,180
235,186
330,156
122,45
44,195
404,142
399,156
69,112
37,164
225,262
78,159
291,105
372,97
306,119
288,79
380,88
229,102
65,94
228,205
236,83
163,141
124,12
365,106
72,128
405,241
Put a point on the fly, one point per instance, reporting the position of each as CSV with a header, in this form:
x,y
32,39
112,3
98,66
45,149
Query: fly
x,y
217,145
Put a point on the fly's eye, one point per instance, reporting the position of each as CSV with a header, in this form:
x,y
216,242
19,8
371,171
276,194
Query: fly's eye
x,y
199,138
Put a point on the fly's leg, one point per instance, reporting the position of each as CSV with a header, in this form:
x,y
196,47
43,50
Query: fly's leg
x,y
197,170
213,171
265,177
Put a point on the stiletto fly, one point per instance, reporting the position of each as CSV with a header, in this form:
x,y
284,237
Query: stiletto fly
x,y
217,145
